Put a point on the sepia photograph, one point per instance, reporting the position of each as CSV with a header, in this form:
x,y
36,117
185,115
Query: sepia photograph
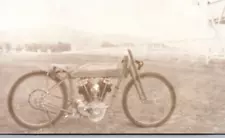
x,y
112,66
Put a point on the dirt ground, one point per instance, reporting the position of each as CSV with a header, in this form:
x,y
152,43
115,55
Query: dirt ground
x,y
200,93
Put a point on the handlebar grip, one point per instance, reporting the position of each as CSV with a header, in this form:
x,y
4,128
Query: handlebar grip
x,y
140,64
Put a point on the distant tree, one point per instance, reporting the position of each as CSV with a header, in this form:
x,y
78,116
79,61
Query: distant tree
x,y
51,47
33,47
1,48
128,44
43,47
61,47
8,47
19,48
27,47
36,47
47,47
107,44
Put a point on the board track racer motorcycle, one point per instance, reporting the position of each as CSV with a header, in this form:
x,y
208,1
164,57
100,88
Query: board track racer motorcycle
x,y
92,86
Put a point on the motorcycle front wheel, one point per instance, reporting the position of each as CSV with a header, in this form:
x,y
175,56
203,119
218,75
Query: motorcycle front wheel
x,y
144,114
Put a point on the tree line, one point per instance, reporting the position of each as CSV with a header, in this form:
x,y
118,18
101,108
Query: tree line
x,y
61,47
35,47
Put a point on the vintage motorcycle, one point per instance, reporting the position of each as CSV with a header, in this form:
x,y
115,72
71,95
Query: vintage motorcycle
x,y
93,86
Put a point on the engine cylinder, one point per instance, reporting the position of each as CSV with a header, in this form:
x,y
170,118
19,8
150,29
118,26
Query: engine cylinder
x,y
92,91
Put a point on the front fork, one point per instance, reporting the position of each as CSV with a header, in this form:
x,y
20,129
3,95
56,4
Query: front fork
x,y
136,77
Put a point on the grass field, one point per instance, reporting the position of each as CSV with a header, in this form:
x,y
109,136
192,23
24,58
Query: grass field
x,y
200,93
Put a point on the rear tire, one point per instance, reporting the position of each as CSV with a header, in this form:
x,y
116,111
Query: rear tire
x,y
172,96
11,96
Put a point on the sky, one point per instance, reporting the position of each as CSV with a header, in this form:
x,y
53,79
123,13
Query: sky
x,y
145,18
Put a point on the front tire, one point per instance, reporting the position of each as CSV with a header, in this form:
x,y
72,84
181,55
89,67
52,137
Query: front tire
x,y
171,93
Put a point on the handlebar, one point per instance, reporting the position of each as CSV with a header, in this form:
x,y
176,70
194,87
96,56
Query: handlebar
x,y
139,63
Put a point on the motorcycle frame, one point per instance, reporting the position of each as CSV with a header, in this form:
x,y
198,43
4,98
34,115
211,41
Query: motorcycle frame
x,y
128,68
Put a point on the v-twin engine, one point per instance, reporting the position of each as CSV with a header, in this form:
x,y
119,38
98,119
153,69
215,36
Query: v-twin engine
x,y
94,93
94,89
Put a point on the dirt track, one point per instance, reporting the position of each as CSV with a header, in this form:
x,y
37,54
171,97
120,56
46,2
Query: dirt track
x,y
200,98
